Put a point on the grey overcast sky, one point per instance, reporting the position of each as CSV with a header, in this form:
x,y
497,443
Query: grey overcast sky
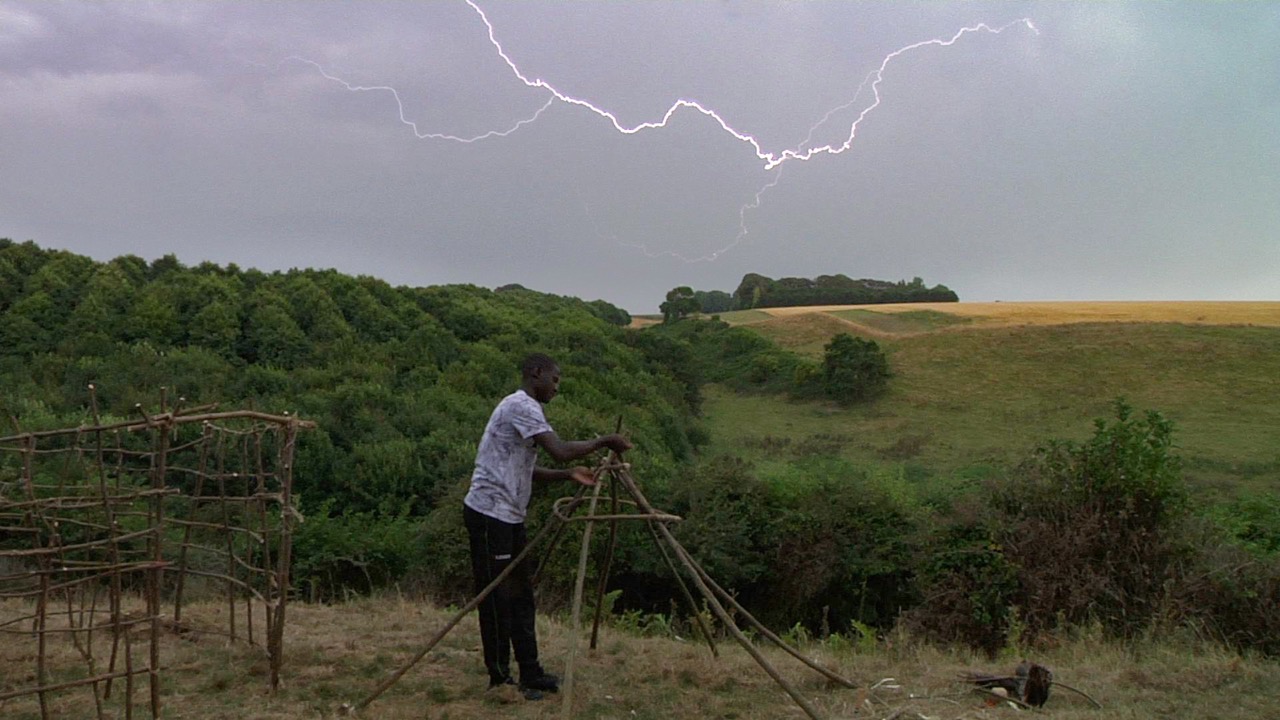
x,y
1123,151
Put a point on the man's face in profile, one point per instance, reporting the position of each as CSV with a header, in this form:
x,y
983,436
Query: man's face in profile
x,y
545,384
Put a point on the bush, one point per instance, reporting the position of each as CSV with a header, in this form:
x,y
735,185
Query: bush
x,y
1095,528
853,369
334,555
443,568
968,583
1082,532
845,552
729,520
1231,596
1253,522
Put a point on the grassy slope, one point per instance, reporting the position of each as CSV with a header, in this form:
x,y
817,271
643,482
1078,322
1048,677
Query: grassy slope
x,y
980,386
337,654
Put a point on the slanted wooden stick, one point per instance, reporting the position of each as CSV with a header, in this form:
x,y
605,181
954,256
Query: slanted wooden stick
x,y
502,576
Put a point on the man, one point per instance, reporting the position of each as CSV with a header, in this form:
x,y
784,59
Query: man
x,y
494,512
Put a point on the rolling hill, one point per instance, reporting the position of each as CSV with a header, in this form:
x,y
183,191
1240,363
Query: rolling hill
x,y
977,385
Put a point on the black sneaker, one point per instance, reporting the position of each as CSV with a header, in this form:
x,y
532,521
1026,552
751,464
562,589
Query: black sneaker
x,y
506,691
543,681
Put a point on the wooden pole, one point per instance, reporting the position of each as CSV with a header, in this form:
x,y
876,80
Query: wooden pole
x,y
719,610
155,578
770,635
186,533
684,590
566,708
601,586
275,642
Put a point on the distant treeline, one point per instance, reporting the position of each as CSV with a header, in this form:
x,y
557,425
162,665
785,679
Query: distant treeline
x,y
759,291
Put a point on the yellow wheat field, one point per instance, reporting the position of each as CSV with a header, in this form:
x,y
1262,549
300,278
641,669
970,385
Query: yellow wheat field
x,y
1058,313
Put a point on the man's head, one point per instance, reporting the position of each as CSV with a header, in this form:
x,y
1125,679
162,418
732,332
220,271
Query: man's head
x,y
540,377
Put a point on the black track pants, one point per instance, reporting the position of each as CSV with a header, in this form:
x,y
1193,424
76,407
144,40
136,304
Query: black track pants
x,y
507,614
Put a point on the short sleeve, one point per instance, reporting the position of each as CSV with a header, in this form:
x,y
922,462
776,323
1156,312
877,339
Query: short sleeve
x,y
528,419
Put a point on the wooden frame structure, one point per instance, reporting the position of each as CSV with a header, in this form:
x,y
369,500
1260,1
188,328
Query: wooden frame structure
x,y
677,559
106,529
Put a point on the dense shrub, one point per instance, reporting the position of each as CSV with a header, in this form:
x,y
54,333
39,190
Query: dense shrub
x,y
1252,521
845,552
356,552
854,369
711,350
1230,595
1095,528
834,548
730,519
968,584
1082,532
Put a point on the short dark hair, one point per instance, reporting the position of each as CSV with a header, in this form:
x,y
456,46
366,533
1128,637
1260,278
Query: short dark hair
x,y
535,362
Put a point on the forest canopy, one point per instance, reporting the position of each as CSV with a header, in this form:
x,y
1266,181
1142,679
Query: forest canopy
x,y
758,291
400,380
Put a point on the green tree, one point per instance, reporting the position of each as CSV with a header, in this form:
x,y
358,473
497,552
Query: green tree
x,y
162,266
133,268
18,261
28,325
751,291
714,301
216,327
106,302
316,312
610,313
681,302
854,369
155,317
468,311
63,278
270,335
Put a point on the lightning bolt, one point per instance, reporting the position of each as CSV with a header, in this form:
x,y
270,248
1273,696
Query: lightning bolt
x,y
400,108
770,160
743,231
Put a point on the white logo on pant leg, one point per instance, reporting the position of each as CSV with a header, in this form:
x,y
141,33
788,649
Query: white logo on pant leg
x,y
502,557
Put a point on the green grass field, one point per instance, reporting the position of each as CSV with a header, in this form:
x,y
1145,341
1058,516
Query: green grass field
x,y
968,397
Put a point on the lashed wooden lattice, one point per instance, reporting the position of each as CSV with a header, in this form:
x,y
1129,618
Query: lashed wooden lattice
x,y
105,530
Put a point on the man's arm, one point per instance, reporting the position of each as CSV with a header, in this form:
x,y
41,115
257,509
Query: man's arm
x,y
580,475
566,450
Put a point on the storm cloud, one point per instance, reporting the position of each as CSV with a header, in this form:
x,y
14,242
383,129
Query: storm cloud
x,y
1125,151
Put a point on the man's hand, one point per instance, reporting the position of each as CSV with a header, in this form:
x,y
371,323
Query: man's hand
x,y
582,476
616,443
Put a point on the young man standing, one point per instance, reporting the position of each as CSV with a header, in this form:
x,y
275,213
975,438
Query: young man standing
x,y
494,512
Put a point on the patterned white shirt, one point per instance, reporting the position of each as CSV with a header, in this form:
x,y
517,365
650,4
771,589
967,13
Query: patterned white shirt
x,y
503,479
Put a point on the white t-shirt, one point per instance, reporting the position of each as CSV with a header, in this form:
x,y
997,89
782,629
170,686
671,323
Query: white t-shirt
x,y
503,479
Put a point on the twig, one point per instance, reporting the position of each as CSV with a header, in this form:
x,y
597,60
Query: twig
x,y
998,696
1079,692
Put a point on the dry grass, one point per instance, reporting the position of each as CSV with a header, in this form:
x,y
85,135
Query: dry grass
x,y
1005,314
809,332
640,321
338,653
998,314
987,389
